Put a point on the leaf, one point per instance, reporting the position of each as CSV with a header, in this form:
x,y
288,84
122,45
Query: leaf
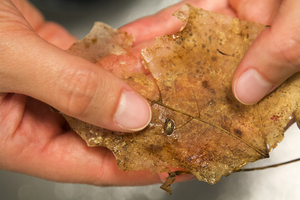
x,y
197,123
108,48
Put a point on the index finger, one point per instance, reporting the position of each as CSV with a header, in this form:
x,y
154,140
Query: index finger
x,y
161,23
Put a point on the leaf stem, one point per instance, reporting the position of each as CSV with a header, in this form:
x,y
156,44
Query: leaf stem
x,y
267,167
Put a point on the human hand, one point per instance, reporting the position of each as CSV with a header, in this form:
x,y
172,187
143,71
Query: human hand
x,y
274,55
33,73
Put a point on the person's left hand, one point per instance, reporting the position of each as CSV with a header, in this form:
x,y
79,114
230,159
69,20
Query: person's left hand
x,y
272,58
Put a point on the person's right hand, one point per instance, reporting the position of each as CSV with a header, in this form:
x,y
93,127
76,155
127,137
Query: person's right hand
x,y
33,67
36,72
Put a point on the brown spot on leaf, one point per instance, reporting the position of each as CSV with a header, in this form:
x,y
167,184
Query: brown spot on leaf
x,y
94,40
211,103
214,58
205,84
87,45
238,132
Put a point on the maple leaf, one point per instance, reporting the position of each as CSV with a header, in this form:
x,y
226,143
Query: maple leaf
x,y
197,123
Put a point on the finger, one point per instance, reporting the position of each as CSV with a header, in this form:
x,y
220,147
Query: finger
x,y
72,85
32,15
39,147
273,57
163,22
50,31
256,10
56,34
149,27
179,178
32,66
81,164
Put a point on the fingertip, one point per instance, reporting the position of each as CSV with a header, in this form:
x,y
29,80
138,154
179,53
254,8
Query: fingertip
x,y
133,112
250,87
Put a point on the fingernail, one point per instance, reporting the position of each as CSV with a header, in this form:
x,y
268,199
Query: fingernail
x,y
163,176
133,112
251,87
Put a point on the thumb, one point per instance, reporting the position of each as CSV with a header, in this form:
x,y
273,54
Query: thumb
x,y
31,66
72,85
273,57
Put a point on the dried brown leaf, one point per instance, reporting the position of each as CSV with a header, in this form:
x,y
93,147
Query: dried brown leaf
x,y
197,123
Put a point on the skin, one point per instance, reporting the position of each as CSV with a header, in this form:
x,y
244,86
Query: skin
x,y
36,72
35,140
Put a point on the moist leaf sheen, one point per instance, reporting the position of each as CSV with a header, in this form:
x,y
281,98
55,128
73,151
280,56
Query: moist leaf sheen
x,y
209,133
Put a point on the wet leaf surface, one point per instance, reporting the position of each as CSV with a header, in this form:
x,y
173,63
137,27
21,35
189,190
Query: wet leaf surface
x,y
197,123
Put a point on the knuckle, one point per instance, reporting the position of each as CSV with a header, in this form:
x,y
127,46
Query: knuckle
x,y
255,10
287,51
79,88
